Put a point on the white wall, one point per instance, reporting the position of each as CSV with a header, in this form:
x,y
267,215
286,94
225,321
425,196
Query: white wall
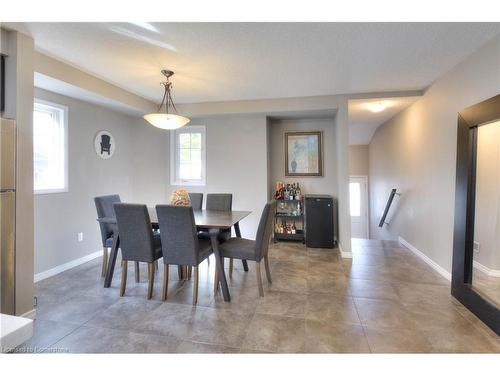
x,y
236,163
415,152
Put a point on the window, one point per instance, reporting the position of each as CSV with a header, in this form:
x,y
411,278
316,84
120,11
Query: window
x,y
50,136
187,156
355,198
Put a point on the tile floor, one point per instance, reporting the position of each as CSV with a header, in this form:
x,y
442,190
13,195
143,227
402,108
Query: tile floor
x,y
384,300
488,286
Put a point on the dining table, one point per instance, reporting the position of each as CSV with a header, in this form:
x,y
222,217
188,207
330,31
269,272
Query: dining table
x,y
212,221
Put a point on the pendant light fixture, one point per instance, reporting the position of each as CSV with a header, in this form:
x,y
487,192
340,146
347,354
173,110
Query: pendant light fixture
x,y
166,119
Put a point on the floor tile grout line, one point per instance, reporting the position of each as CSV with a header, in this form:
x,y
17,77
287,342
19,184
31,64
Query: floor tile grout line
x,y
362,326
69,333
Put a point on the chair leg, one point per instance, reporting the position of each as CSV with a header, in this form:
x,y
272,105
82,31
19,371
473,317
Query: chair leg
x,y
124,277
151,276
156,265
104,261
179,272
165,281
137,275
216,282
230,267
259,279
189,272
268,270
195,288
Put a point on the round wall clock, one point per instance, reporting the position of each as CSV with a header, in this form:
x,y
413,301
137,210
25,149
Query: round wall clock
x,y
104,144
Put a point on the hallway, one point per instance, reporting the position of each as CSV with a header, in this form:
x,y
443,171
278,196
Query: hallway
x,y
385,300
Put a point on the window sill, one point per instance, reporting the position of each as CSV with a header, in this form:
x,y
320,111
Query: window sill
x,y
187,183
51,191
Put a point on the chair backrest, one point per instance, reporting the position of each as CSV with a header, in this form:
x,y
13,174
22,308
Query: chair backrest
x,y
104,207
179,239
105,140
220,202
196,200
136,234
265,230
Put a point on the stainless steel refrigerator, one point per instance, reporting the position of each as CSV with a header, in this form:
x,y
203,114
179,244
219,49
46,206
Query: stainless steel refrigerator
x,y
8,215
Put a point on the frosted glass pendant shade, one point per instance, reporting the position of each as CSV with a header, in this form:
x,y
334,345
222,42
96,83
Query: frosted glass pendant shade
x,y
166,121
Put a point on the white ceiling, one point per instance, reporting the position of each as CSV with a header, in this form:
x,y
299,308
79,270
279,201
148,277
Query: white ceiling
x,y
363,123
236,61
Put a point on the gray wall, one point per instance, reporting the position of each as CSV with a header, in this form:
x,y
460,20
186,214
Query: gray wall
x,y
132,169
359,160
327,184
416,153
149,162
236,163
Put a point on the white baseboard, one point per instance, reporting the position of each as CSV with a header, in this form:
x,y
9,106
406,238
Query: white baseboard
x,y
66,266
486,270
425,258
30,314
344,254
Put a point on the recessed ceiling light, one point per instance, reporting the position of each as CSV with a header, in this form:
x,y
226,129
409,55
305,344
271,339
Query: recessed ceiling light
x,y
376,107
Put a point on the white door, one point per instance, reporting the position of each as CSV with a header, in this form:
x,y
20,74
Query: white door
x,y
358,196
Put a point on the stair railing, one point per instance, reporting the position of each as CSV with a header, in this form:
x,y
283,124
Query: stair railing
x,y
387,208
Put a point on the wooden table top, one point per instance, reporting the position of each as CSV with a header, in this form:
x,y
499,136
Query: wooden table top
x,y
203,219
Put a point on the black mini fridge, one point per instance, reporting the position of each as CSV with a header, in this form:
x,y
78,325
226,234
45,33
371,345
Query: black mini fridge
x,y
320,213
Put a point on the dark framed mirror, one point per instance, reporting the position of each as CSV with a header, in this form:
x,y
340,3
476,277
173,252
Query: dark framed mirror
x,y
476,243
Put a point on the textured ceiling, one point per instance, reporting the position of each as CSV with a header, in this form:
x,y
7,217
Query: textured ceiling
x,y
235,61
363,123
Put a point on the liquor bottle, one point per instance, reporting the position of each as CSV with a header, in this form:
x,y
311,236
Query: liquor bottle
x,y
294,228
299,209
298,194
277,190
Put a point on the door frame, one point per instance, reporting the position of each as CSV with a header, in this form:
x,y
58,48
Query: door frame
x,y
367,200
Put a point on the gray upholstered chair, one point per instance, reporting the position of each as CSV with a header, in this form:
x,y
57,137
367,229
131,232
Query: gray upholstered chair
x,y
219,202
180,243
196,200
137,241
104,207
241,248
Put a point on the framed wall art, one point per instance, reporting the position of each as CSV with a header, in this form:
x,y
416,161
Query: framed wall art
x,y
104,144
304,153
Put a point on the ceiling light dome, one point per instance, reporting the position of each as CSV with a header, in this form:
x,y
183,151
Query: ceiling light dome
x,y
166,120
376,107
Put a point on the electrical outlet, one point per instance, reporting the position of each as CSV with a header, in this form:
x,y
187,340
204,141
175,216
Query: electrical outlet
x,y
476,247
80,236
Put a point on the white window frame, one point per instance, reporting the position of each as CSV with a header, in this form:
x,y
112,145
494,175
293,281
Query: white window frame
x,y
63,112
174,157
